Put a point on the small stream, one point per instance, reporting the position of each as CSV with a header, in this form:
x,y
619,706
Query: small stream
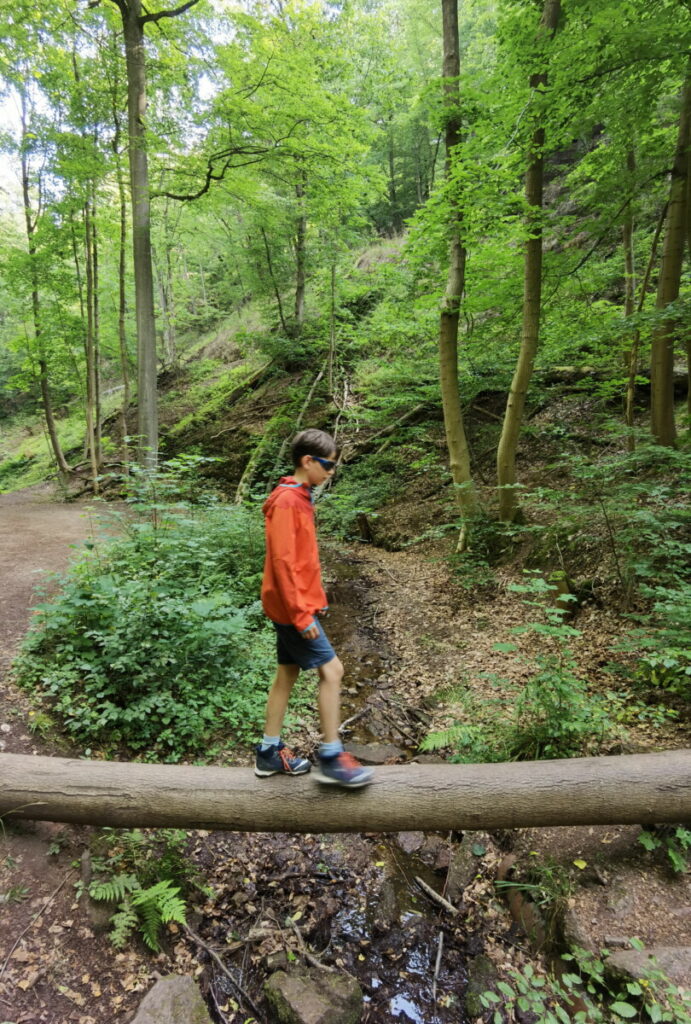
x,y
401,929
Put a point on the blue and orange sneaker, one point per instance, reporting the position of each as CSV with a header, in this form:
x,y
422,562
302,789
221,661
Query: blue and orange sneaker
x,y
343,770
279,760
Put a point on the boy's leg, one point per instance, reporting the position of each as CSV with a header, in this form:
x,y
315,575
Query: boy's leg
x,y
277,759
330,677
335,766
278,698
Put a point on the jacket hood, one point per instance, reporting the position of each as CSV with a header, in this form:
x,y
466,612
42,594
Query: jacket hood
x,y
291,484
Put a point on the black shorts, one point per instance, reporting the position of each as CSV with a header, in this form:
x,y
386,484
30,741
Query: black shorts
x,y
292,648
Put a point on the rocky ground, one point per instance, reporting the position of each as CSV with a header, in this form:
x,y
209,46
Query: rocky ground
x,y
277,904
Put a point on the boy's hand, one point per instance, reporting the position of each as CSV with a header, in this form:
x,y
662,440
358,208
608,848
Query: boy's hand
x,y
311,634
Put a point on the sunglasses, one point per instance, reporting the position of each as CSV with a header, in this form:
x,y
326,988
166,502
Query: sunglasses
x,y
327,464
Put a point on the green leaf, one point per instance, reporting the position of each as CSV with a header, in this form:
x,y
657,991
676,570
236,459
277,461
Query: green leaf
x,y
624,1010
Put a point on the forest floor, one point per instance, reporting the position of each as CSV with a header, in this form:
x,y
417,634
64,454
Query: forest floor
x,y
405,629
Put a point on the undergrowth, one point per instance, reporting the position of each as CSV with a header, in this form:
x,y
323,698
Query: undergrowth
x,y
156,641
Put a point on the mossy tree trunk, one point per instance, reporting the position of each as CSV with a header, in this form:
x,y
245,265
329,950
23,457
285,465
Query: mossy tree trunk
x,y
662,350
532,294
456,441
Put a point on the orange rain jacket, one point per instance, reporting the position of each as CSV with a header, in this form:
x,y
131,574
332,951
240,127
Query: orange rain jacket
x,y
292,589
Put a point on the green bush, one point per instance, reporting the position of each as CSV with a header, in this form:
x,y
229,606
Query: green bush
x,y
156,640
552,715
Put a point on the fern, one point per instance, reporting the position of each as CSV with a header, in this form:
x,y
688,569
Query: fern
x,y
114,889
157,905
445,737
124,922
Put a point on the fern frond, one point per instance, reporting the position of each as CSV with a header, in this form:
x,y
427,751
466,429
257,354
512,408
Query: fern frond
x,y
114,889
124,923
444,738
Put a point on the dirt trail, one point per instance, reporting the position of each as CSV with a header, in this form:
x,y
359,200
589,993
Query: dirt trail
x,y
38,536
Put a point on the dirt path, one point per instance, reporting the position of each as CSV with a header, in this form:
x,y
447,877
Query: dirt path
x,y
38,536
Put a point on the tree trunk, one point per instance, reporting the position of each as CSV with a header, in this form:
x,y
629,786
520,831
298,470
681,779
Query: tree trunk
x,y
44,383
662,348
97,334
300,252
141,233
627,789
122,246
630,356
532,294
277,292
636,342
89,350
456,441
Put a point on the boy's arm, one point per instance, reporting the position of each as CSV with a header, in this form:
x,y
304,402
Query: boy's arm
x,y
282,542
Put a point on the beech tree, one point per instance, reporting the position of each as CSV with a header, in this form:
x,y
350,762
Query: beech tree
x,y
459,455
134,20
532,287
664,336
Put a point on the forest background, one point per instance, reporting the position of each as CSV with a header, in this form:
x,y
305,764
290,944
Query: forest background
x,y
225,221
455,237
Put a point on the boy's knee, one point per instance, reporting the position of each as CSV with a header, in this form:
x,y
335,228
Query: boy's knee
x,y
332,672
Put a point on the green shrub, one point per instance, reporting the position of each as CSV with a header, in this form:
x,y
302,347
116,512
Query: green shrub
x,y
156,640
552,715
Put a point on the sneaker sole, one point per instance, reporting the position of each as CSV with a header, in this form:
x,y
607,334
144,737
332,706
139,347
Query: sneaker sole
x,y
264,773
339,782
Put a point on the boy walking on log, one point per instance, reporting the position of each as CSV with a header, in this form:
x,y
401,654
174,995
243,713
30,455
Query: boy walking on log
x,y
292,596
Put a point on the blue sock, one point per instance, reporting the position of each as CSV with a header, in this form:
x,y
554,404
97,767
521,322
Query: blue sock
x,y
331,749
270,741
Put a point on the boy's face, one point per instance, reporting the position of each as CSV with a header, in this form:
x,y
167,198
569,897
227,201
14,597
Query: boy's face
x,y
316,473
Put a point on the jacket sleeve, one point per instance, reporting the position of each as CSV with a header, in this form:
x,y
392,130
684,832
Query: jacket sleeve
x,y
283,529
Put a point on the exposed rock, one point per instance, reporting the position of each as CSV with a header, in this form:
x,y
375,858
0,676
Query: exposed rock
x,y
409,842
375,753
429,759
466,859
309,996
576,932
431,849
482,975
673,961
616,942
387,910
173,1000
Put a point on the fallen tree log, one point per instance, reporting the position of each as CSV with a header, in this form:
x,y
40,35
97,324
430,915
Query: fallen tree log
x,y
637,788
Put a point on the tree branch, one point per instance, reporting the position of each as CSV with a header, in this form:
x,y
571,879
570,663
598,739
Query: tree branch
x,y
156,16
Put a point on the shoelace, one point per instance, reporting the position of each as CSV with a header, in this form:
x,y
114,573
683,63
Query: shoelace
x,y
286,755
348,762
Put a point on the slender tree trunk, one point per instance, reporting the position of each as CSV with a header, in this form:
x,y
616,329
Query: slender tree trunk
x,y
662,349
300,251
636,341
141,233
97,336
456,441
396,221
532,294
44,383
89,349
630,356
273,281
688,243
122,266
332,329
165,302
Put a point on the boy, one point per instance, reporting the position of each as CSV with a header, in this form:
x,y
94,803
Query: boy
x,y
292,595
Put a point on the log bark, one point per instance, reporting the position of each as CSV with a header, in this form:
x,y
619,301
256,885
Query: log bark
x,y
636,788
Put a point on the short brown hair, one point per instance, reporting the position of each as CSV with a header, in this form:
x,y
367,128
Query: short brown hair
x,y
312,442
